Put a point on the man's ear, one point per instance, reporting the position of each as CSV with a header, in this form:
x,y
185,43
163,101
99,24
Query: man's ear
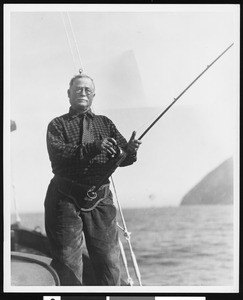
x,y
68,92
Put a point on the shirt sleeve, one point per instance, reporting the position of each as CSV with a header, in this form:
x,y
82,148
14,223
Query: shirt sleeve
x,y
60,151
122,142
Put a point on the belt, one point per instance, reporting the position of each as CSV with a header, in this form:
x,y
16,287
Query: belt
x,y
78,192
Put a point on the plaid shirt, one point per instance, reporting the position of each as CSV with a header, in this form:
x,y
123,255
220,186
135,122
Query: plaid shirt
x,y
84,163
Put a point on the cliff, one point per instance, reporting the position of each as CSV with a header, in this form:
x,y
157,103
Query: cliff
x,y
215,188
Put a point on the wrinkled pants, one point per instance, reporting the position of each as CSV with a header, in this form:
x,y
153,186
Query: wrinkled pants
x,y
65,223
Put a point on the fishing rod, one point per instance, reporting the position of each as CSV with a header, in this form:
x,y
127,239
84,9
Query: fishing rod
x,y
120,157
177,98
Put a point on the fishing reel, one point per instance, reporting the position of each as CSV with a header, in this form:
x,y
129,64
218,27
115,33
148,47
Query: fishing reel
x,y
118,154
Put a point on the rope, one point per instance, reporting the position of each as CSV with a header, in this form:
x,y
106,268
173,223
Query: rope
x,y
75,41
127,236
129,279
69,42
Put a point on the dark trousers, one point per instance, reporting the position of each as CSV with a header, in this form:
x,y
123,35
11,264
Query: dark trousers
x,y
65,225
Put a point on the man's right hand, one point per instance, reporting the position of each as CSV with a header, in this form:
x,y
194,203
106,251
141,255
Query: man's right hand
x,y
107,145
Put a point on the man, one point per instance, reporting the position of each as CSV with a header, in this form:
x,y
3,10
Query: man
x,y
82,147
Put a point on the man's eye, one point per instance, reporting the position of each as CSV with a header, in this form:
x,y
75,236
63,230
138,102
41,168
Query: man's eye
x,y
87,91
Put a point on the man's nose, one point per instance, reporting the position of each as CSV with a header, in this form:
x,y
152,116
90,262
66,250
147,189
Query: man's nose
x,y
81,91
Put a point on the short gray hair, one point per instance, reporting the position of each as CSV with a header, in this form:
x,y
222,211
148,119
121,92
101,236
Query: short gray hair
x,y
81,76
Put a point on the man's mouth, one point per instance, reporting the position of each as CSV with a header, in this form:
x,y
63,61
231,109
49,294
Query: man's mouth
x,y
82,100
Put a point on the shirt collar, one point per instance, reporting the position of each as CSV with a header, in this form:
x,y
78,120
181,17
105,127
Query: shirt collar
x,y
74,114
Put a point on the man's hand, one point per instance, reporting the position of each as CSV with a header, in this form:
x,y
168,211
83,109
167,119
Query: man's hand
x,y
107,145
133,144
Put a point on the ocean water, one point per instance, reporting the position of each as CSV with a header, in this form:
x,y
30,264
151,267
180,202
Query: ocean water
x,y
175,246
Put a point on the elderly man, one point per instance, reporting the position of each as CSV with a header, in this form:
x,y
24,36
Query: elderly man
x,y
82,147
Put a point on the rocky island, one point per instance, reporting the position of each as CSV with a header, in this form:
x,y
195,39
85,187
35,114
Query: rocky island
x,y
215,188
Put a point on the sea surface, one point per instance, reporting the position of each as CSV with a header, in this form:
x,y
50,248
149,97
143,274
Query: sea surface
x,y
175,246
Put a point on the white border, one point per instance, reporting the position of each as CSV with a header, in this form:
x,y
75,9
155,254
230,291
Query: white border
x,y
121,289
120,7
8,8
6,152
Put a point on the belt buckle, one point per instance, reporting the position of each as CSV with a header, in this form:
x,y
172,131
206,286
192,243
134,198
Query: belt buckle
x,y
90,195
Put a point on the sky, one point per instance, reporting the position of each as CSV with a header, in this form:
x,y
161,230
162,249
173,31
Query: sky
x,y
141,57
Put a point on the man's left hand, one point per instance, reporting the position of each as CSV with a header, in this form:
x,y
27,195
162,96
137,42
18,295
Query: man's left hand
x,y
133,144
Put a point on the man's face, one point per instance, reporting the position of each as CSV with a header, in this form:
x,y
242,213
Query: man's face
x,y
81,94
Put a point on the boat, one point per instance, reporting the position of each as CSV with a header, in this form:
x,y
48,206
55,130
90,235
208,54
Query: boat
x,y
31,258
